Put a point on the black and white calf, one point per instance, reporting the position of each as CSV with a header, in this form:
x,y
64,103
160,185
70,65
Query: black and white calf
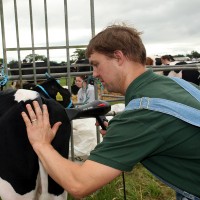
x,y
51,89
22,177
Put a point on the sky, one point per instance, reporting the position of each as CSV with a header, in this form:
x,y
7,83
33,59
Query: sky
x,y
169,27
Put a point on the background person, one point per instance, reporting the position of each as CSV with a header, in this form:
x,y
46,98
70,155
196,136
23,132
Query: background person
x,y
165,145
166,60
149,61
86,92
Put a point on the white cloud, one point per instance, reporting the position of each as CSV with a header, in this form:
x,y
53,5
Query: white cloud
x,y
170,27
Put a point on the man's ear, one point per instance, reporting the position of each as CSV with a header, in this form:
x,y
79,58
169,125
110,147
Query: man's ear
x,y
119,56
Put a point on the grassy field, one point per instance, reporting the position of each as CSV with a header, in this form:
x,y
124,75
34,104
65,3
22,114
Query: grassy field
x,y
140,185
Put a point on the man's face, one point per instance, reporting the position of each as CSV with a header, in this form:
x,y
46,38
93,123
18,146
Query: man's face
x,y
106,70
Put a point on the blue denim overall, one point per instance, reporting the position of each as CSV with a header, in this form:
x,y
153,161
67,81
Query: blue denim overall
x,y
186,113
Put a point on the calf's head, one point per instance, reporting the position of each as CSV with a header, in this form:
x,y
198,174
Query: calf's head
x,y
51,89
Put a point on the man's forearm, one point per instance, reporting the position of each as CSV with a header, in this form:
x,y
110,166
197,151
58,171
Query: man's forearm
x,y
78,180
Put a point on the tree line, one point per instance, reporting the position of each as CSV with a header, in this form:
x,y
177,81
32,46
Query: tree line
x,y
80,54
193,54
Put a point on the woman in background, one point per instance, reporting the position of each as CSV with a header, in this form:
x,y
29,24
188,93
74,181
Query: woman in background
x,y
86,91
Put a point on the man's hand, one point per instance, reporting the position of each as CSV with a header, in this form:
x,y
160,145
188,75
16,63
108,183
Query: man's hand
x,y
105,123
38,126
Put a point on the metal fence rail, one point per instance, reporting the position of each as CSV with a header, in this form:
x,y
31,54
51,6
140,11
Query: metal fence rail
x,y
33,48
47,47
59,75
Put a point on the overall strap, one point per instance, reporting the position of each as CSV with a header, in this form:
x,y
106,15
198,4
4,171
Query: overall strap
x,y
195,92
186,113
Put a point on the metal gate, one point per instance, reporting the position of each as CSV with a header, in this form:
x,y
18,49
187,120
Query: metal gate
x,y
19,50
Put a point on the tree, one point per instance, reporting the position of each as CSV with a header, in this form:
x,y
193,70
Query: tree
x,y
79,54
13,62
195,54
12,65
179,55
29,58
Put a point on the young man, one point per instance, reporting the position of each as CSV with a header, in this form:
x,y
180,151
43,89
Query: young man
x,y
165,145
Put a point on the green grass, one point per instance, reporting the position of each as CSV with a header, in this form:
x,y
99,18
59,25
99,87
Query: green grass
x,y
63,80
140,185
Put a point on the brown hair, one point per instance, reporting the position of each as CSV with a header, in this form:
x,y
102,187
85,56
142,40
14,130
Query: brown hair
x,y
149,61
83,77
118,37
167,57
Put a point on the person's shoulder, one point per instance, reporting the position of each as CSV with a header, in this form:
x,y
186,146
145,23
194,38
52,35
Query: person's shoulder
x,y
80,90
90,87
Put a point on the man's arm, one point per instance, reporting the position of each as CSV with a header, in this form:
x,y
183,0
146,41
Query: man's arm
x,y
79,180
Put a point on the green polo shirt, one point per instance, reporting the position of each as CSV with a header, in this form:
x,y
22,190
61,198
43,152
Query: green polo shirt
x,y
167,146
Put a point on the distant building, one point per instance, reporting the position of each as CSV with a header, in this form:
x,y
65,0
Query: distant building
x,y
185,58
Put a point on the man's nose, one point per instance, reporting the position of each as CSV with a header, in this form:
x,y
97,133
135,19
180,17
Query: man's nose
x,y
95,73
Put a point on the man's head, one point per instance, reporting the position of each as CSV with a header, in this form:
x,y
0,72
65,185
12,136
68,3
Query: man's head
x,y
118,37
118,56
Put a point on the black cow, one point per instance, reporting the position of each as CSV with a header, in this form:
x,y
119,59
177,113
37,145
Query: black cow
x,y
21,175
81,65
192,76
158,61
53,90
41,68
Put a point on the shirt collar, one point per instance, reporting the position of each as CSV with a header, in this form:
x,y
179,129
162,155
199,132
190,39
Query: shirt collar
x,y
137,83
